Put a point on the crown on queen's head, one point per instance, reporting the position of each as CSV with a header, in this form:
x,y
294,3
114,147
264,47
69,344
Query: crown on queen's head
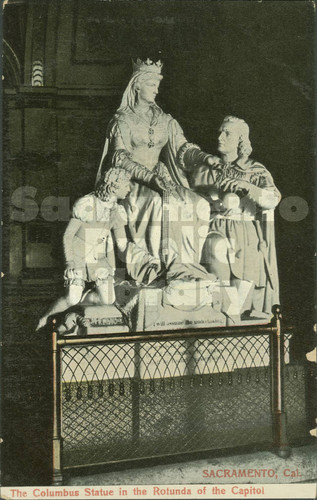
x,y
147,66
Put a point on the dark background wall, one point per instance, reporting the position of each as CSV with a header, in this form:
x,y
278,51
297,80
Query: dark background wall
x,y
251,59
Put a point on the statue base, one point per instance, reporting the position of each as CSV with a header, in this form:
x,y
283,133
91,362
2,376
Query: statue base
x,y
154,313
104,319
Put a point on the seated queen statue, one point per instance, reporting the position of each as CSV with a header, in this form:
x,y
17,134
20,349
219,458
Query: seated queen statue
x,y
165,216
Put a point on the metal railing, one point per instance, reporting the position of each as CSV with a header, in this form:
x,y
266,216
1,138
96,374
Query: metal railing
x,y
132,396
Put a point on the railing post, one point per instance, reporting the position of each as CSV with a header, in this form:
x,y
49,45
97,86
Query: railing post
x,y
136,396
277,386
57,479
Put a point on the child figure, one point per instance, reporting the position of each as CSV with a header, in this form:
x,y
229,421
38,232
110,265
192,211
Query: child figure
x,y
88,244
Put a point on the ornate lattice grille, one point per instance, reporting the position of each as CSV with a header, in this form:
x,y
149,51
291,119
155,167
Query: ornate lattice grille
x,y
140,399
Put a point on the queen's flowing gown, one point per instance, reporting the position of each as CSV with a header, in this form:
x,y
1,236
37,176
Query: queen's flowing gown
x,y
172,226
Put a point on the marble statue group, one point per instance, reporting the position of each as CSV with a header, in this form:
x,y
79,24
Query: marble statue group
x,y
184,233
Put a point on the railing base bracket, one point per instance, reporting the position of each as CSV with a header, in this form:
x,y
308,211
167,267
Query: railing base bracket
x,y
284,452
57,479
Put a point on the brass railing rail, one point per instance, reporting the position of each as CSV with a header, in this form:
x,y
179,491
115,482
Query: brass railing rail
x,y
233,331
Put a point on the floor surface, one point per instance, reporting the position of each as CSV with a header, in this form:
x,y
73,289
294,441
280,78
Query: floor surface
x,y
301,466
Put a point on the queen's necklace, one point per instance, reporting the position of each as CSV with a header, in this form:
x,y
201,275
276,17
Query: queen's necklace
x,y
151,143
150,130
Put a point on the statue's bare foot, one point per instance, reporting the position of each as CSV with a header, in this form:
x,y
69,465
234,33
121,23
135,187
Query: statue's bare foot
x,y
42,322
